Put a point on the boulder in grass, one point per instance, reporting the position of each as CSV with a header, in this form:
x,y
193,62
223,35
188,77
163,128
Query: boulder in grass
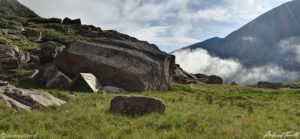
x,y
136,105
215,80
268,85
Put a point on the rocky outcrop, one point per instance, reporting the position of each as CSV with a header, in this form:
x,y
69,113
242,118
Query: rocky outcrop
x,y
183,77
33,35
136,105
16,28
4,40
214,80
18,98
59,28
131,65
3,32
59,81
209,79
49,50
52,78
68,21
12,58
267,85
18,37
113,90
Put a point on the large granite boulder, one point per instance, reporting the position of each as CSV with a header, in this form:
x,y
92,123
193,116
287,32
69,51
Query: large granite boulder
x,y
267,85
131,65
49,50
18,98
12,57
136,105
215,80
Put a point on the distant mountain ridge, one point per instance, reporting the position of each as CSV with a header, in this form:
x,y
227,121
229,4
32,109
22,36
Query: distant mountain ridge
x,y
15,8
204,44
271,38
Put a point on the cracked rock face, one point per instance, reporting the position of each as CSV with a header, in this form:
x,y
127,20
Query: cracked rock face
x,y
131,65
12,57
23,99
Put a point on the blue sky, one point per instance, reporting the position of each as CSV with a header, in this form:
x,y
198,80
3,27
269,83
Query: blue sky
x,y
170,24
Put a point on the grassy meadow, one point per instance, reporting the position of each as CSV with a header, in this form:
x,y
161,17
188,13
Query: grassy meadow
x,y
209,111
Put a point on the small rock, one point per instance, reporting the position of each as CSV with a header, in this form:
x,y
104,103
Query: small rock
x,y
4,32
18,37
136,105
234,84
16,28
192,85
31,76
49,50
33,35
113,90
35,59
4,40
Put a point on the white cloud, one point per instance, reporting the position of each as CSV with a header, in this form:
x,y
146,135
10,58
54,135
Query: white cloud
x,y
291,47
200,61
250,39
168,18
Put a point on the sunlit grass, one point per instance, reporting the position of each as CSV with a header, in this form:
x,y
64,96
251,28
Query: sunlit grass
x,y
235,112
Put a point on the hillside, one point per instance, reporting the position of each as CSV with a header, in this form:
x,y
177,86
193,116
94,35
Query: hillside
x,y
269,39
14,8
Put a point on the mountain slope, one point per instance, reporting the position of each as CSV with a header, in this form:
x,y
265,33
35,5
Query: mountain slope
x,y
204,44
272,38
15,8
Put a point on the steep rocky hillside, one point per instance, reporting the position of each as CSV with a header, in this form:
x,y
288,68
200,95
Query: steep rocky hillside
x,y
30,44
14,8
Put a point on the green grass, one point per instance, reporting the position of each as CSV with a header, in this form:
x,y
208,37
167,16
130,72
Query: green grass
x,y
234,112
292,84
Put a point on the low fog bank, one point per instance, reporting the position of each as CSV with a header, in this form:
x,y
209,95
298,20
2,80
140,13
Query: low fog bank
x,y
231,70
